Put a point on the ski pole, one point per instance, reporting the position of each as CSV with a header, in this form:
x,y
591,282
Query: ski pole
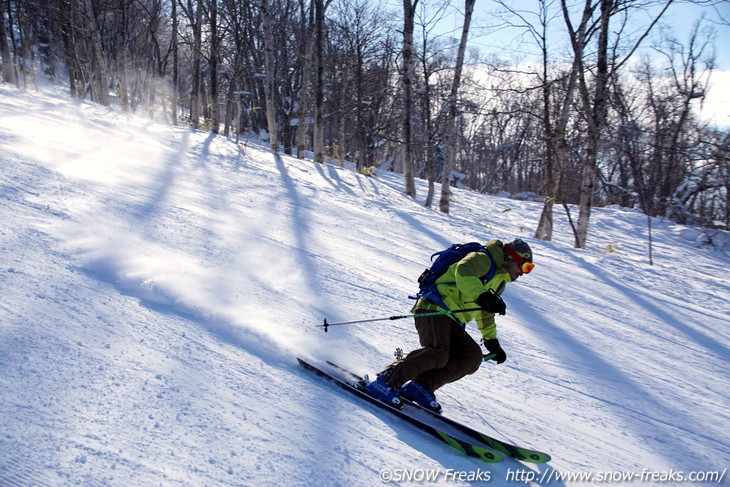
x,y
432,313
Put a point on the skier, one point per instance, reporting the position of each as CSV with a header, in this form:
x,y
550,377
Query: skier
x,y
448,353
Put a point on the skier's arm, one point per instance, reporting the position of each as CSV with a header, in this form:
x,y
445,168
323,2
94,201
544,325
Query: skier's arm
x,y
487,326
468,272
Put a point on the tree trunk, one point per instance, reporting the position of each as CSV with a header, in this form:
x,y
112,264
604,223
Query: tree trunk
x,y
307,68
428,124
557,151
122,54
318,132
596,114
65,16
197,46
450,135
270,82
100,89
215,111
175,65
409,12
8,71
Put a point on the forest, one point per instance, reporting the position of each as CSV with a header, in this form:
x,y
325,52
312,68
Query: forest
x,y
597,105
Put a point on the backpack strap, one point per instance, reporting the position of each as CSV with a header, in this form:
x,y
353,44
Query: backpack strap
x,y
432,293
492,267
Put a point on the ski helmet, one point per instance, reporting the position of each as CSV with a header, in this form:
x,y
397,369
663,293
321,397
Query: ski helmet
x,y
521,248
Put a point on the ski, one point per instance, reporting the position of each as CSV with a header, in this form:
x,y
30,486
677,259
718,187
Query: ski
x,y
516,452
413,415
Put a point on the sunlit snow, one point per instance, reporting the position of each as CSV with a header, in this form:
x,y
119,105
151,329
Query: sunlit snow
x,y
158,283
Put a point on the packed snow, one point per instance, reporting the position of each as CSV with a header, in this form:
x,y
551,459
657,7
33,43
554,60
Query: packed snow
x,y
158,284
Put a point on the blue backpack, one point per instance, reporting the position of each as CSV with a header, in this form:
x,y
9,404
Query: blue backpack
x,y
447,257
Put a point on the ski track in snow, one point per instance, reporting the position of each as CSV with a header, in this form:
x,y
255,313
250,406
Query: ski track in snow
x,y
157,284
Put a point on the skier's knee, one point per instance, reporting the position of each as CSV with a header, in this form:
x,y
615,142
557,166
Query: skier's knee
x,y
473,359
440,356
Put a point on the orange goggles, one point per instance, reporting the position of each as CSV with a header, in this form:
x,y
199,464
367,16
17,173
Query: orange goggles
x,y
525,265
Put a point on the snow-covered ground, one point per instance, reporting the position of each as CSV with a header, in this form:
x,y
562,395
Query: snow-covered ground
x,y
157,283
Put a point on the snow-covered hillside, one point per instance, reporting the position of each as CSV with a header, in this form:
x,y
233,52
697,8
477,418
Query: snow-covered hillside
x,y
157,284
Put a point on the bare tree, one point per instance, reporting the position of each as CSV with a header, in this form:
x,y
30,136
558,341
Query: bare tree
x,y
641,147
409,13
194,13
318,132
270,81
432,61
666,156
215,53
556,103
452,111
307,61
99,87
356,30
121,53
594,95
175,63
5,55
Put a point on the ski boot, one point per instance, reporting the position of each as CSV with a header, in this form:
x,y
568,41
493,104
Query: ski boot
x,y
417,393
382,391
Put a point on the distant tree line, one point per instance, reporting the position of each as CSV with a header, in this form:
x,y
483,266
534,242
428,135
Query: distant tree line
x,y
591,122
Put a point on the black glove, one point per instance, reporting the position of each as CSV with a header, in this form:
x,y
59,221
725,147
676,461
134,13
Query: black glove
x,y
491,303
494,347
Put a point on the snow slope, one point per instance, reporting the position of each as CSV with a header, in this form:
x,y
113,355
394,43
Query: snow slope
x,y
157,284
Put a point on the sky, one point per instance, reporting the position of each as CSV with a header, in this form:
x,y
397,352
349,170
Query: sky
x,y
490,33
513,43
